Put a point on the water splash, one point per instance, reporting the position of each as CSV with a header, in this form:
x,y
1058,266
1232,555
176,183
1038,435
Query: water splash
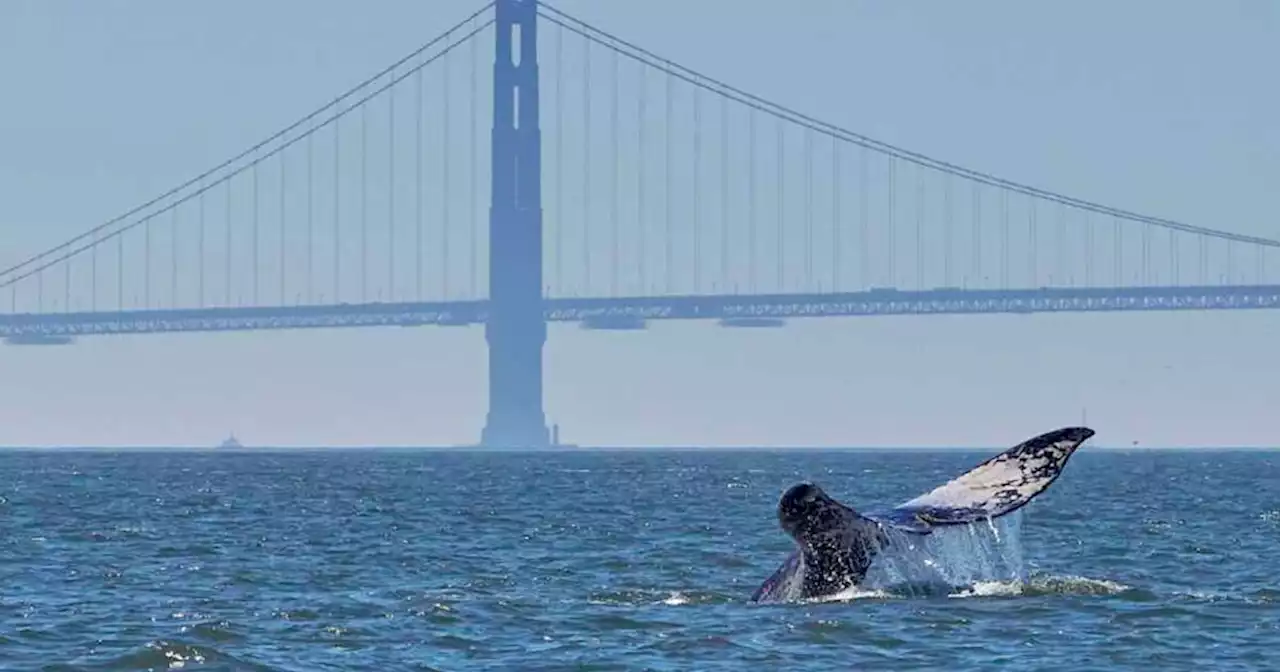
x,y
1033,586
945,562
980,560
950,558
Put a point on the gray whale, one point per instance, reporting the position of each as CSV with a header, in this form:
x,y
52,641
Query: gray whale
x,y
836,545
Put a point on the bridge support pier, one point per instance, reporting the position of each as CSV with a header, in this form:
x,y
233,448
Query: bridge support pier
x,y
516,328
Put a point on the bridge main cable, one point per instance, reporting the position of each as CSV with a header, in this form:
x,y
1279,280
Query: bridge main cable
x,y
205,175
698,79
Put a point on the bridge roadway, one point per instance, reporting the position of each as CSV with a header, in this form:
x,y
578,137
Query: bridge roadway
x,y
624,312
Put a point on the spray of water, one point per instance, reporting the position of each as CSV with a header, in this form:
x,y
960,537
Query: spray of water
x,y
949,561
950,558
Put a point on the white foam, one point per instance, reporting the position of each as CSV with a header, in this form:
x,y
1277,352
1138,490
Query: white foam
x,y
990,589
675,599
855,593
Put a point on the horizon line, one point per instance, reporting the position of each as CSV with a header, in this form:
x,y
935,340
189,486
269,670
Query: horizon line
x,y
569,448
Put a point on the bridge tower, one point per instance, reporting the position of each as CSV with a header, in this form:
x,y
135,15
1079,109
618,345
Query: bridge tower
x,y
516,328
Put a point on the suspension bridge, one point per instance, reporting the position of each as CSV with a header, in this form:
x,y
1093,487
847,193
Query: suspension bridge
x,y
526,166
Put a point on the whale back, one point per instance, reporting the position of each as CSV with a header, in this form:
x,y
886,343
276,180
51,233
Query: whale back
x,y
786,582
834,548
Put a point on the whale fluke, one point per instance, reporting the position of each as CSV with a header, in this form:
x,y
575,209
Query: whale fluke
x,y
835,545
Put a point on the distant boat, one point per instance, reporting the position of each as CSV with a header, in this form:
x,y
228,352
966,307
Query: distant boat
x,y
231,442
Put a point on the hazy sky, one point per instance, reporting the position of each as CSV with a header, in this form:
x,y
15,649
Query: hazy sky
x,y
1167,108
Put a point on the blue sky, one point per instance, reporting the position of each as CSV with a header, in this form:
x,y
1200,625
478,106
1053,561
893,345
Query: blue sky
x,y
1163,108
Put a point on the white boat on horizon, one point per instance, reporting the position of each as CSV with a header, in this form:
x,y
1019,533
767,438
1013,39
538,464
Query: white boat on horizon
x,y
231,442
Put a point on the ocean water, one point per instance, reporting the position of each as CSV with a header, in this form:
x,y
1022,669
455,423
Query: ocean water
x,y
400,560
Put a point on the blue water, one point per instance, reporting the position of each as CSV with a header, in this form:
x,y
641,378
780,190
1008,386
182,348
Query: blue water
x,y
387,560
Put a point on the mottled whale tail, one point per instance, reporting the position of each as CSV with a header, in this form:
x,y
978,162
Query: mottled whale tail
x,y
997,487
835,544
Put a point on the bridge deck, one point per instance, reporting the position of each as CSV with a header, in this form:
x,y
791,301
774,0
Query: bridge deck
x,y
31,327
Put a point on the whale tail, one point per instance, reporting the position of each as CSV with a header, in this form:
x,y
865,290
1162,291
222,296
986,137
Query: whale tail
x,y
997,487
835,544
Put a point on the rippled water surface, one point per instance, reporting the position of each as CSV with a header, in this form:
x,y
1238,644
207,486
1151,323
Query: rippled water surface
x,y
383,560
